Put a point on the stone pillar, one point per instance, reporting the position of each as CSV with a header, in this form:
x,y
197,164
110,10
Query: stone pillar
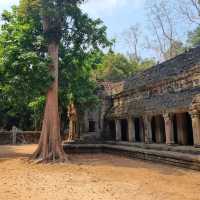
x,y
14,135
131,130
147,129
169,128
182,128
118,130
196,128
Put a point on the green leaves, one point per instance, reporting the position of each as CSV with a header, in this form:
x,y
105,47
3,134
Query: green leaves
x,y
194,37
24,68
116,67
55,14
24,72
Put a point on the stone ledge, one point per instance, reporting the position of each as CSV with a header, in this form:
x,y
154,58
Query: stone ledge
x,y
179,159
160,147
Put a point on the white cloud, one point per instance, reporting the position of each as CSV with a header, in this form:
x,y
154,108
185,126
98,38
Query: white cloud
x,y
6,4
95,8
107,7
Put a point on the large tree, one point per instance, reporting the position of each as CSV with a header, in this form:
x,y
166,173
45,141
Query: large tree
x,y
24,64
80,39
56,16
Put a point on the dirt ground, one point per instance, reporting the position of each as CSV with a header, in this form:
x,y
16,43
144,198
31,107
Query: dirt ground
x,y
92,177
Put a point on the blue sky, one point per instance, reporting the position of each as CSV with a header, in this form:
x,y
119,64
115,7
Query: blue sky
x,y
6,4
118,16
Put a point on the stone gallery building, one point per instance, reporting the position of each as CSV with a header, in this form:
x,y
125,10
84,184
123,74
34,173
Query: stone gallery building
x,y
159,105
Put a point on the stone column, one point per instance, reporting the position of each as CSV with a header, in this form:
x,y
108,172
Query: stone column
x,y
196,128
169,128
118,130
147,129
182,128
14,135
131,130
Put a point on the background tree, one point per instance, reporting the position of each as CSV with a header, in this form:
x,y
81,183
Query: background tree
x,y
164,24
116,67
194,37
23,69
190,10
175,49
132,39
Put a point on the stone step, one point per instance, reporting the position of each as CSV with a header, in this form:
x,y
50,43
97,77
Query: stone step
x,y
186,160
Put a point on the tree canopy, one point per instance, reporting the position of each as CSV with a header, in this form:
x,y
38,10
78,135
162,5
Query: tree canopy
x,y
23,67
24,63
115,66
194,37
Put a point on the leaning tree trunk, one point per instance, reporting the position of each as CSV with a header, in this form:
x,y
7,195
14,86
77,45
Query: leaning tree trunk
x,y
50,147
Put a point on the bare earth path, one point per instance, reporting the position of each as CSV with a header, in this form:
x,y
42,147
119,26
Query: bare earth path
x,y
92,177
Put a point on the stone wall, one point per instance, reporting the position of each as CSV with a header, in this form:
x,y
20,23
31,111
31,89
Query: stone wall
x,y
171,94
25,137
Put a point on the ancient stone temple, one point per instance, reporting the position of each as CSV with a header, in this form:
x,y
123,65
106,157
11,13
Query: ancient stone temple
x,y
94,121
159,105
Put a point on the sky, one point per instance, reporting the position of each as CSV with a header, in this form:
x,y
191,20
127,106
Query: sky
x,y
117,15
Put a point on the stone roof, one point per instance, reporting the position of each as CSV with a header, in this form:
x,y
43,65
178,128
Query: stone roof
x,y
170,102
112,88
164,71
180,100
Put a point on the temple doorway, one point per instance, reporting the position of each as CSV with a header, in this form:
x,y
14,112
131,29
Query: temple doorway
x,y
189,129
92,126
153,129
175,130
183,132
158,129
112,130
137,129
124,129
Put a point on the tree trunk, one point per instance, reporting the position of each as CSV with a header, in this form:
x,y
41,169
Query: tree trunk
x,y
50,147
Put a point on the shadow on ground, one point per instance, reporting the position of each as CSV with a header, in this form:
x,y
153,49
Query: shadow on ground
x,y
100,160
8,152
22,151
